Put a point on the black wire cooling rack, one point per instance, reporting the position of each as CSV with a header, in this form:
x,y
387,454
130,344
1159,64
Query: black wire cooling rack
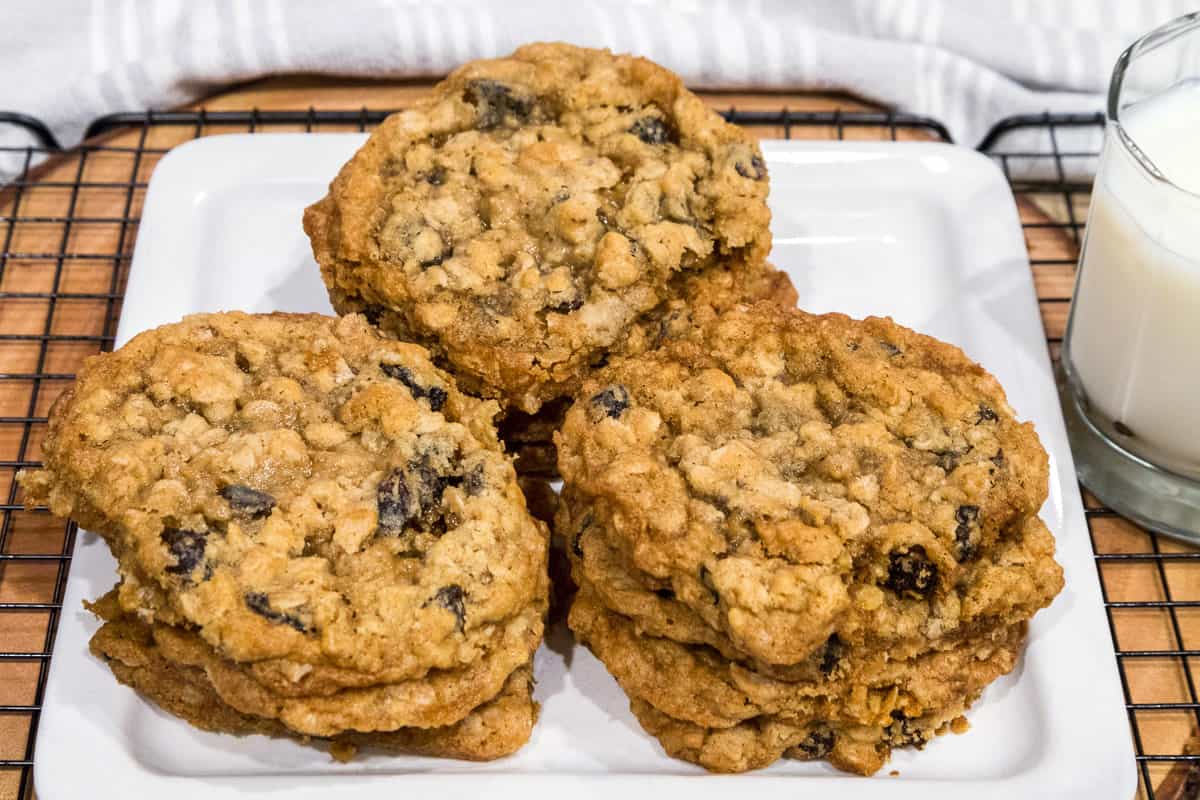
x,y
69,221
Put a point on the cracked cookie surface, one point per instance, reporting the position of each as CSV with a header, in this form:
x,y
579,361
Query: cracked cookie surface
x,y
310,496
788,477
521,219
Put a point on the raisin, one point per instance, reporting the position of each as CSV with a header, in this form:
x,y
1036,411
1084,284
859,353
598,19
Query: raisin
x,y
494,101
612,401
451,598
244,500
412,495
986,414
436,395
405,376
707,580
966,517
911,572
437,398
242,363
577,542
436,176
186,547
260,604
652,130
965,550
902,734
947,459
567,306
818,743
756,170
447,251
833,653
665,594
998,459
473,481
432,485
891,349
395,503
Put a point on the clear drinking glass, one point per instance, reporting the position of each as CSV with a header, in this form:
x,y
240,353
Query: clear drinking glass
x,y
1130,368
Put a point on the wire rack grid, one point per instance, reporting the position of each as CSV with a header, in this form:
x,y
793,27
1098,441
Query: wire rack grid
x,y
67,231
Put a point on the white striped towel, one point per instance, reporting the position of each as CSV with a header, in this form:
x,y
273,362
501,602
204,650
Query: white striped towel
x,y
967,63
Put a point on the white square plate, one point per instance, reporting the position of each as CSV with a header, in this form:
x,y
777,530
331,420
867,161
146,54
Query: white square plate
x,y
925,233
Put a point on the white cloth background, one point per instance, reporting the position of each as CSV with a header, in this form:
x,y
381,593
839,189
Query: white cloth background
x,y
968,63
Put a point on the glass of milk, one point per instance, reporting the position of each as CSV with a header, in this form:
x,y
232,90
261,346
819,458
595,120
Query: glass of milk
x,y
1130,364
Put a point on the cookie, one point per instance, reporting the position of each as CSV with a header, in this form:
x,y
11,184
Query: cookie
x,y
436,699
790,476
761,741
616,584
523,217
1017,579
864,688
495,729
301,491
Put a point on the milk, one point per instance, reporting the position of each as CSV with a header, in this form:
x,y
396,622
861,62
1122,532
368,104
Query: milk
x,y
1134,339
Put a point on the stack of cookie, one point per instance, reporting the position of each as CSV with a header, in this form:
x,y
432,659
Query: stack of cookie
x,y
317,533
540,214
802,536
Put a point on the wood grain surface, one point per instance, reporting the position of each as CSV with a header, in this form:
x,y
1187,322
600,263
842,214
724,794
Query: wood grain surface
x,y
103,192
